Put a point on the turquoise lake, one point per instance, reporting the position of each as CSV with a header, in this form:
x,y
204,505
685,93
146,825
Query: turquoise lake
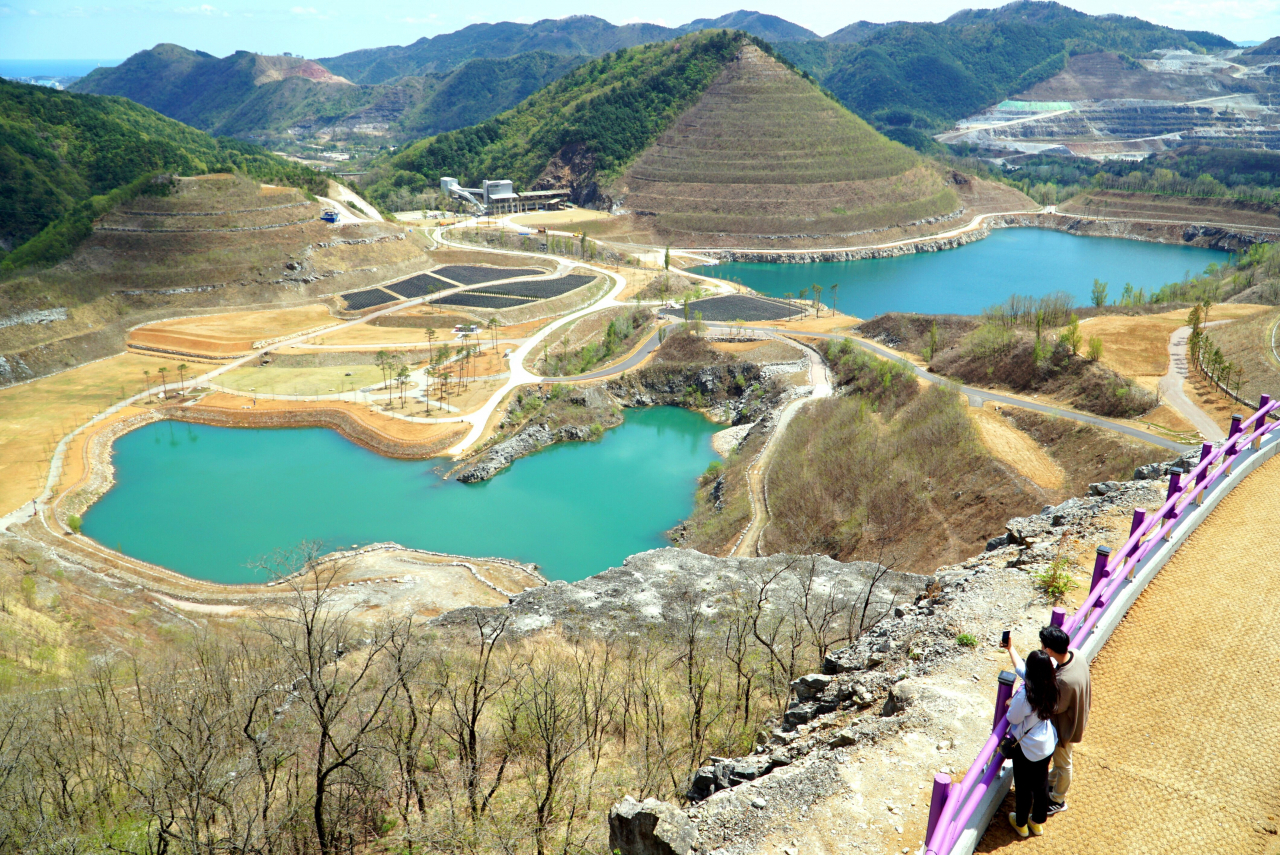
x,y
210,501
970,278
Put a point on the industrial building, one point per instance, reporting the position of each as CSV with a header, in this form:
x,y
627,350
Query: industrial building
x,y
499,197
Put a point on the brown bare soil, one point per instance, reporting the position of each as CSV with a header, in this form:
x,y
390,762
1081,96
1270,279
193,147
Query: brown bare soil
x,y
240,411
231,333
1178,209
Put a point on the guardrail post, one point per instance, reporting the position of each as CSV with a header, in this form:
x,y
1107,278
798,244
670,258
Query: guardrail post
x,y
1058,616
1139,519
1261,422
1003,693
941,790
1230,458
1099,567
1175,484
1206,448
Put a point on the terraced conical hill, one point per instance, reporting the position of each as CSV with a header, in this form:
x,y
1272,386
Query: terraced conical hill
x,y
764,153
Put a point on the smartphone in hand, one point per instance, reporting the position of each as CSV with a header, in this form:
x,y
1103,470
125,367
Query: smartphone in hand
x,y
1004,639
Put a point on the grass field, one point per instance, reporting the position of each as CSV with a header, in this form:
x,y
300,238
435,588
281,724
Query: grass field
x,y
34,416
271,380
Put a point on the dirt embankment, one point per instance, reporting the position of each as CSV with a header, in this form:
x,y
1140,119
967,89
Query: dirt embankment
x,y
1201,233
411,441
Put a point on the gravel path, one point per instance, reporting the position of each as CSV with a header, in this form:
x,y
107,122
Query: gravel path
x,y
1172,389
1182,753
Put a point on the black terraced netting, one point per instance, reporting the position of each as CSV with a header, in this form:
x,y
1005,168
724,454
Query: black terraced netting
x,y
481,301
540,289
466,274
739,307
419,286
367,299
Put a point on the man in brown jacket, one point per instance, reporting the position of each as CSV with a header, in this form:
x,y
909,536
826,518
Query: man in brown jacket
x,y
1072,713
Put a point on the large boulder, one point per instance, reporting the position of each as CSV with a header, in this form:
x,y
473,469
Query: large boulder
x,y
650,827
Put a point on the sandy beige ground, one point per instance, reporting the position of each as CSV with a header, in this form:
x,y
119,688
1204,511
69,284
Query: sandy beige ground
x,y
1017,449
35,416
1183,748
272,380
1138,347
392,428
560,219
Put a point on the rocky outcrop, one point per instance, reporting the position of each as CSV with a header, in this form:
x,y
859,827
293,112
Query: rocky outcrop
x,y
650,827
654,587
850,254
740,389
527,441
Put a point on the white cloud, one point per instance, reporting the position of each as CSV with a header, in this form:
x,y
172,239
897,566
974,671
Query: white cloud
x,y
304,10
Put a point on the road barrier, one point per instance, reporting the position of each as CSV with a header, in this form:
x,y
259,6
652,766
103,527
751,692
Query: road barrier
x,y
959,813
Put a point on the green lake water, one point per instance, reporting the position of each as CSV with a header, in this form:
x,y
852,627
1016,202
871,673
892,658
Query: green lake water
x,y
210,501
972,277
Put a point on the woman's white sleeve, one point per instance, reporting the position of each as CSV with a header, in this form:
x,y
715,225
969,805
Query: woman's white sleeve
x,y
1019,709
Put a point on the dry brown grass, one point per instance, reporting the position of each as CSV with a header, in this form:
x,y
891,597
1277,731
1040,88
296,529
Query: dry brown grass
x,y
34,416
1017,449
1248,344
1138,347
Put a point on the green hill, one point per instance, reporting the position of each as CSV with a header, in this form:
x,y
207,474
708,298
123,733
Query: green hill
x,y
765,152
606,112
61,154
709,134
251,95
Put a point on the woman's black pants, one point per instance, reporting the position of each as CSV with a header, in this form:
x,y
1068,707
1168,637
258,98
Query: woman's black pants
x,y
1031,787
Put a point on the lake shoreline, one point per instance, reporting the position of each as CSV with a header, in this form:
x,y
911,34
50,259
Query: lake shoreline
x,y
1222,238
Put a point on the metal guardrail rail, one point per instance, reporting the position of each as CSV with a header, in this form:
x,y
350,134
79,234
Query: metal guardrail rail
x,y
953,807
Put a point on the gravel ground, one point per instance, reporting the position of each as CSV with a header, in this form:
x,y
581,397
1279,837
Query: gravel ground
x,y
541,289
741,307
369,298
466,274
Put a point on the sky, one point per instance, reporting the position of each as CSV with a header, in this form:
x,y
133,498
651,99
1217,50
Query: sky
x,y
66,29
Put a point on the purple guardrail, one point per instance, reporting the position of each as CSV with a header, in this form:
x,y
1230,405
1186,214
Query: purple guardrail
x,y
953,805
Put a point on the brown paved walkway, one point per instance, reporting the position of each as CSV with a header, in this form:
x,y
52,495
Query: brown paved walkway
x,y
1183,748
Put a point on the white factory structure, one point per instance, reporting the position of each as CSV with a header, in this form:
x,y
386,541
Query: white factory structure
x,y
500,197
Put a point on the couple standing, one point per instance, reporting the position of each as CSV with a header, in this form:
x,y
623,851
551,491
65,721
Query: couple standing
x,y
1047,716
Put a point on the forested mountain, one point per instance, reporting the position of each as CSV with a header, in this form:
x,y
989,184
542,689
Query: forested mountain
x,y
577,35
910,79
61,153
251,95
613,107
708,135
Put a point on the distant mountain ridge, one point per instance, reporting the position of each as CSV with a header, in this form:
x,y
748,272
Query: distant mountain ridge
x,y
251,95
577,35
909,79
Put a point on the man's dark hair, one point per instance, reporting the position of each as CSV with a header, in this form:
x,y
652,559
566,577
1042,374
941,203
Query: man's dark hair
x,y
1056,639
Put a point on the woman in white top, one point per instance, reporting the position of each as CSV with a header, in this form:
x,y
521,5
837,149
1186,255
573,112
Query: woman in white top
x,y
1030,713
